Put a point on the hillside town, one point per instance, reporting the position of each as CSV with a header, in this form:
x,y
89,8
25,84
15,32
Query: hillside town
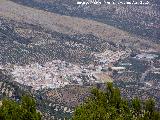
x,y
57,73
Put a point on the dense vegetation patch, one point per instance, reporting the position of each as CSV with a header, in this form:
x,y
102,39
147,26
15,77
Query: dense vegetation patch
x,y
109,105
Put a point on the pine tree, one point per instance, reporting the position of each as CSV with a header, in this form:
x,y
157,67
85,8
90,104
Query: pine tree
x,y
25,110
109,105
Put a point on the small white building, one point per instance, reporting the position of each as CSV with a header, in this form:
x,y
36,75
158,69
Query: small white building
x,y
118,69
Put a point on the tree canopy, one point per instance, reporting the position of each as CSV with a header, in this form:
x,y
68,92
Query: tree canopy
x,y
23,110
109,105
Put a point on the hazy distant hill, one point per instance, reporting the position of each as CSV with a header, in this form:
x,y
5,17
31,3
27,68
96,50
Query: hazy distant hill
x,y
142,20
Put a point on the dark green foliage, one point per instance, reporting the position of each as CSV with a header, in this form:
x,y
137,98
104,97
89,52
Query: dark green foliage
x,y
109,105
25,110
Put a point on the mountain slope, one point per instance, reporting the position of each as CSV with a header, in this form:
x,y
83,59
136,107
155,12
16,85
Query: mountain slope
x,y
69,25
141,20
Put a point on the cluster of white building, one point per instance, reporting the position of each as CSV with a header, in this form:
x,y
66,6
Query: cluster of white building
x,y
50,75
111,56
59,73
